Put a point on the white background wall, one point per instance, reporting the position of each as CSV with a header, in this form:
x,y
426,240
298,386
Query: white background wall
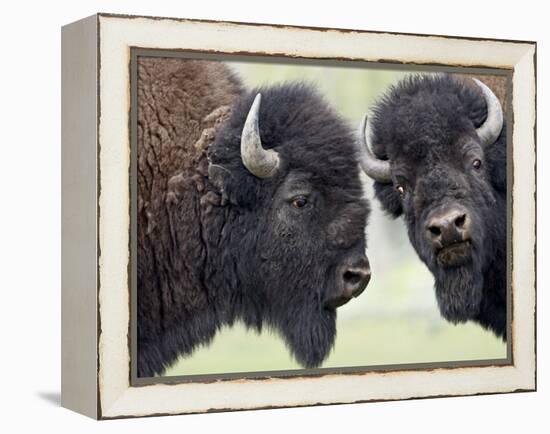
x,y
30,218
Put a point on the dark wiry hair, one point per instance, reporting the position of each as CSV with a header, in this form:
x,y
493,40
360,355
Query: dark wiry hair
x,y
223,245
299,123
311,139
420,125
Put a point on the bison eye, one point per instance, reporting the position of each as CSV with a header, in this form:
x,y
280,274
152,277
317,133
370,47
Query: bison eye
x,y
476,163
299,202
400,189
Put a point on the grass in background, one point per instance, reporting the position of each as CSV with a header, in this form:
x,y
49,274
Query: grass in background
x,y
361,342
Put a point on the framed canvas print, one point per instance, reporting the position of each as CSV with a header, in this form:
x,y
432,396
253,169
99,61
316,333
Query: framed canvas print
x,y
261,216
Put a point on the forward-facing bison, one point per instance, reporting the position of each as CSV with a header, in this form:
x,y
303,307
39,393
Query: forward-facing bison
x,y
436,148
264,225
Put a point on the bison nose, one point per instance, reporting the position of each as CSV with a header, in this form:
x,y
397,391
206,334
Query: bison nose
x,y
448,226
356,279
355,276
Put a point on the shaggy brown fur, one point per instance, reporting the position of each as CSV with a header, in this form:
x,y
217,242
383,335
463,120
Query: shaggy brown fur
x,y
179,111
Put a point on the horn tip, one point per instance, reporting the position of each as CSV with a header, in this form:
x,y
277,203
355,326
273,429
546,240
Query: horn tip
x,y
255,107
480,83
363,127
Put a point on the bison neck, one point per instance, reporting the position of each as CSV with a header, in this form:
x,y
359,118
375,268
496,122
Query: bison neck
x,y
187,281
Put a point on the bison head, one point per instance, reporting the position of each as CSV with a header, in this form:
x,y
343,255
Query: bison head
x,y
433,148
296,215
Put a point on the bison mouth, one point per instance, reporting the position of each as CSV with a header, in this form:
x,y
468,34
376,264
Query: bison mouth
x,y
454,254
337,302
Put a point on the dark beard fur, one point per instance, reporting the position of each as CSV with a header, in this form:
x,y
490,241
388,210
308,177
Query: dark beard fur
x,y
459,291
309,335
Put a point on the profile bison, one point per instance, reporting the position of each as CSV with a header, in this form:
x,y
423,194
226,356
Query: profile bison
x,y
249,208
436,148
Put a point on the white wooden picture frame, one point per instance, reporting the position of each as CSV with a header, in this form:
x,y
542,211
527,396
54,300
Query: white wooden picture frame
x,y
96,152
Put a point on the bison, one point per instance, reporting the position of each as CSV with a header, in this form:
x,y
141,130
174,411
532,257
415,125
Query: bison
x,y
250,208
435,146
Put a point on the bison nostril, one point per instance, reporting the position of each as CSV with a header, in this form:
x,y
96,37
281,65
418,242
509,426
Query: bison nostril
x,y
352,277
356,280
434,230
460,220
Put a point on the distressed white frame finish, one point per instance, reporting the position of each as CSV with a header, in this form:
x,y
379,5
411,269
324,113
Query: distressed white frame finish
x,y
104,388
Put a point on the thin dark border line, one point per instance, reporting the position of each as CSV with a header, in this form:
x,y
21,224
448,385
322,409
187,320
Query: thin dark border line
x,y
291,374
536,209
245,56
98,229
347,62
136,52
314,28
510,126
315,404
132,263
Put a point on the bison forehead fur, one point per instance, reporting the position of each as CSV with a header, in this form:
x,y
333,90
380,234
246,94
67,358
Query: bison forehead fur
x,y
217,244
426,127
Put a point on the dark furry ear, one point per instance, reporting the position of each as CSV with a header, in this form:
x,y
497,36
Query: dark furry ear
x,y
389,198
218,176
223,178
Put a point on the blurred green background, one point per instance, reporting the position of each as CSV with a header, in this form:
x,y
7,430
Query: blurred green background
x,y
396,319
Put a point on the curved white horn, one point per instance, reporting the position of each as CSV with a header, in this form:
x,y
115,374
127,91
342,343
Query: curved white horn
x,y
490,130
377,169
259,161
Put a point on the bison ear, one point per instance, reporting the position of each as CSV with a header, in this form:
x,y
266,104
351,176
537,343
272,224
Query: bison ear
x,y
389,198
231,186
218,177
